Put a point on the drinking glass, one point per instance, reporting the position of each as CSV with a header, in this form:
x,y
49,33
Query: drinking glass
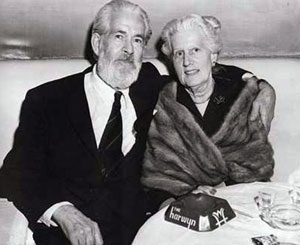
x,y
266,200
295,195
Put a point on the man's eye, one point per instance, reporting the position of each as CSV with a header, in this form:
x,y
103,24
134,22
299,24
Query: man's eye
x,y
138,40
119,36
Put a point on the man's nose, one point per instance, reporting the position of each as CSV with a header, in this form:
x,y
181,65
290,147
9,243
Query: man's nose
x,y
128,47
186,60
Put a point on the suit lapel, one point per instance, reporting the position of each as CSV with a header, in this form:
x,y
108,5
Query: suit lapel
x,y
142,109
79,115
144,93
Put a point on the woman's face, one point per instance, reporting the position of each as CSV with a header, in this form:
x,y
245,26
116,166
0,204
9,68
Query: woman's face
x,y
192,60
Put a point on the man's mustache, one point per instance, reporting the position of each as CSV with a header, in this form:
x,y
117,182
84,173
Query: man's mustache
x,y
126,58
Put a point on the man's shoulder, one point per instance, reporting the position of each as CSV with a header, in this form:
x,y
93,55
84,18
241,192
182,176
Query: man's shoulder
x,y
60,86
148,69
149,77
228,72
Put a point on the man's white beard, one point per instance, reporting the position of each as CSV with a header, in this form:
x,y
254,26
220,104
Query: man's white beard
x,y
120,73
124,72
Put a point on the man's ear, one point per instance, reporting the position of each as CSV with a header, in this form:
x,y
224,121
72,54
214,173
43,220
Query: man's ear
x,y
95,42
214,58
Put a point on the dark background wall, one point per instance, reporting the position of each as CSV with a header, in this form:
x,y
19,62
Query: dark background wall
x,y
41,29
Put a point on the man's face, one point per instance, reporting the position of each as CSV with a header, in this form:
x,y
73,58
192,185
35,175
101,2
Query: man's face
x,y
120,51
192,60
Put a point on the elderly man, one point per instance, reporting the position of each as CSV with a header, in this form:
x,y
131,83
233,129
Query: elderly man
x,y
74,170
77,153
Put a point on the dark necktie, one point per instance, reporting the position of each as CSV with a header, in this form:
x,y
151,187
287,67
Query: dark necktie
x,y
110,147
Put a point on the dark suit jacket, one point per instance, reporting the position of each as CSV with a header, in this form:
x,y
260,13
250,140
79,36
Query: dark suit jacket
x,y
54,157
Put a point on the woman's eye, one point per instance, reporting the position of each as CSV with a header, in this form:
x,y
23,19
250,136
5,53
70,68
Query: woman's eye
x,y
179,54
196,50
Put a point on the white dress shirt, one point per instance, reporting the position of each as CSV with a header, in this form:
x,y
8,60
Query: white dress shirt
x,y
100,97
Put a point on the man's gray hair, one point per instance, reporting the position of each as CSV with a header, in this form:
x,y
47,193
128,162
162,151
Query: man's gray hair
x,y
209,27
101,23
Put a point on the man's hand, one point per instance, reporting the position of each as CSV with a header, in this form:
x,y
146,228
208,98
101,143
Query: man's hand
x,y
78,228
264,104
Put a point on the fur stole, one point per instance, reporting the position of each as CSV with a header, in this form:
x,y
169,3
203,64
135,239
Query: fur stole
x,y
180,156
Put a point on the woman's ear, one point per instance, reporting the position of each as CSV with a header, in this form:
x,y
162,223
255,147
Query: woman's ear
x,y
95,42
214,58
165,49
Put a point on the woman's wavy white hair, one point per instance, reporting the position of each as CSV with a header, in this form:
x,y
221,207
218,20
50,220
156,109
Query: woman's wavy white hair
x,y
209,27
101,23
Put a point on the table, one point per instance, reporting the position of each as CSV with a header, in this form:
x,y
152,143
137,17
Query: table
x,y
237,231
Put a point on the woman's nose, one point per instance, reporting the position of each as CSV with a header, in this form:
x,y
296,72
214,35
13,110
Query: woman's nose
x,y
186,60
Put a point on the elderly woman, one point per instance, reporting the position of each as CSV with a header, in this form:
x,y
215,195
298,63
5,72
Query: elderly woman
x,y
201,133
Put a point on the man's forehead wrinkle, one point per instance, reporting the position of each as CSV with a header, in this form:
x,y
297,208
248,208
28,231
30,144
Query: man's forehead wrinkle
x,y
119,31
125,31
127,21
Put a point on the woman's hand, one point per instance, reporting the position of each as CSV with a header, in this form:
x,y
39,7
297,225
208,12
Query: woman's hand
x,y
209,190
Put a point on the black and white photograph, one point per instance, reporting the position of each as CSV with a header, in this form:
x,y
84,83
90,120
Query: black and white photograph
x,y
147,122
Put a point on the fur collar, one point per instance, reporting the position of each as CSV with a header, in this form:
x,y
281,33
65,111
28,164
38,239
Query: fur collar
x,y
180,156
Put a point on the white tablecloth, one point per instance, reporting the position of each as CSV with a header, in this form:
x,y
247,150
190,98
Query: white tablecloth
x,y
238,231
